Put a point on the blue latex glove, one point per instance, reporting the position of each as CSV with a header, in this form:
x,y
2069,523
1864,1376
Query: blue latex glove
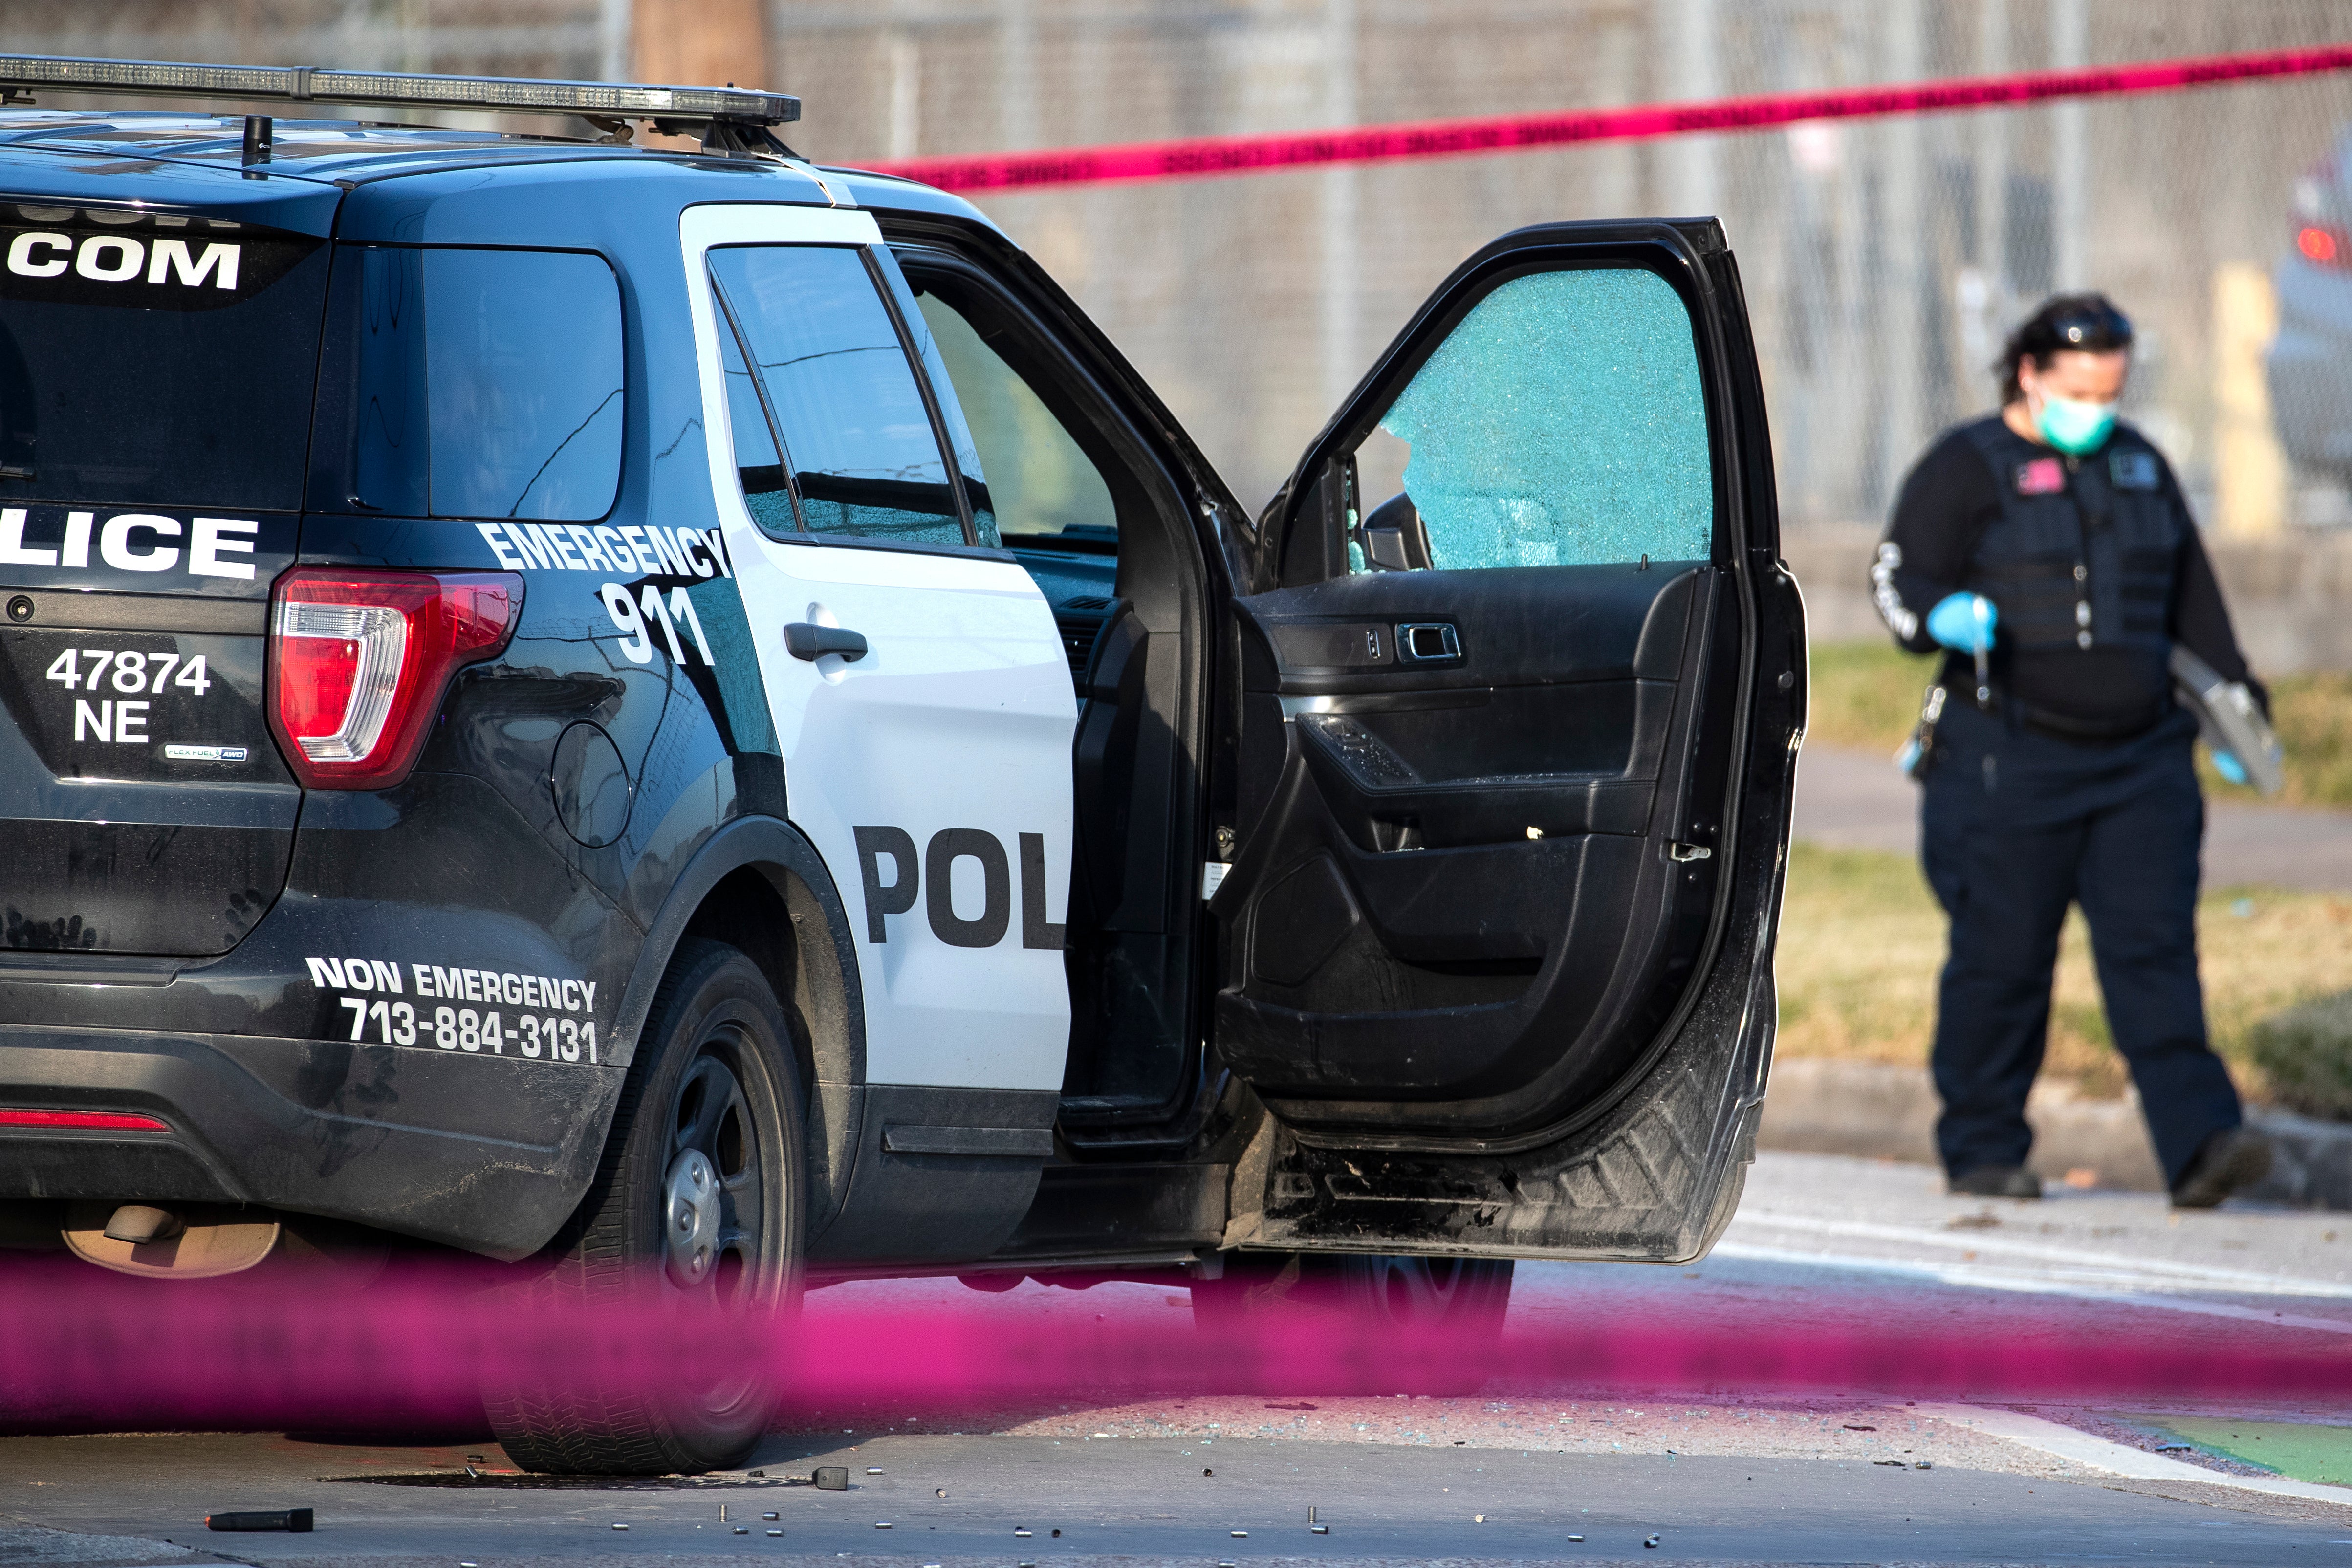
x,y
2226,764
1963,622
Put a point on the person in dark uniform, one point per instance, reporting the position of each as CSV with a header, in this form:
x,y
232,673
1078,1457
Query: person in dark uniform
x,y
2048,551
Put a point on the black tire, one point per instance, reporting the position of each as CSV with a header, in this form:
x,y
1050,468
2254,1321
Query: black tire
x,y
1452,1306
1462,1301
714,1076
1463,1297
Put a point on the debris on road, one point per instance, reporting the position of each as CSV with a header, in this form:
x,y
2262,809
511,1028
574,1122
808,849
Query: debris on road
x,y
297,1519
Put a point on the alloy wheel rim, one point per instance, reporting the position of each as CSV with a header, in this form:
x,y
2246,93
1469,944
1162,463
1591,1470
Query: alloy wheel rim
x,y
715,1234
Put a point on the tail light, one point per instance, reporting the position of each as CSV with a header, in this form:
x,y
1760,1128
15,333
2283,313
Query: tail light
x,y
82,1122
2318,239
2323,245
358,662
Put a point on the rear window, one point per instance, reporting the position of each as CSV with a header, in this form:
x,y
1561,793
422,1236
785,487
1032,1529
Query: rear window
x,y
155,359
488,383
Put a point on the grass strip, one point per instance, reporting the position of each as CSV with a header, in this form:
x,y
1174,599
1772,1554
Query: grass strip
x,y
2305,1451
1862,940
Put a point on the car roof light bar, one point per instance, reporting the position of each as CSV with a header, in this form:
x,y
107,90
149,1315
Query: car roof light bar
x,y
394,89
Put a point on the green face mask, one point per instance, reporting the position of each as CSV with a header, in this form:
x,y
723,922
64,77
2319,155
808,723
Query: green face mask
x,y
2073,428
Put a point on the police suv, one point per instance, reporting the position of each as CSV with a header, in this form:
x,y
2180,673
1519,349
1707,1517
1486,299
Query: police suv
x,y
609,707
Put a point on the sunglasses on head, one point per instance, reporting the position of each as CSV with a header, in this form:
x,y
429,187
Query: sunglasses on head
x,y
2093,330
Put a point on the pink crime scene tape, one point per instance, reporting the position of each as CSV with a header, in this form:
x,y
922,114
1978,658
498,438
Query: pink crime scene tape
x,y
1207,156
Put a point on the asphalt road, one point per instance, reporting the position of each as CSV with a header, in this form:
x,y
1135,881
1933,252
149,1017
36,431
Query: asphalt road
x,y
1150,1501
1826,1250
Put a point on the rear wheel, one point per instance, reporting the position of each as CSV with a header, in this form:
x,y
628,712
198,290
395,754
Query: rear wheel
x,y
694,1224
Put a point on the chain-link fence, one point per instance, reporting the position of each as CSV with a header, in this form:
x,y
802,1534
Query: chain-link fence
x,y
1883,260
578,39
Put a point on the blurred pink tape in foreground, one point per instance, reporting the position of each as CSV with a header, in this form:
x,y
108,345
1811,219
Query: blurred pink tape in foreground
x,y
85,1352
1212,155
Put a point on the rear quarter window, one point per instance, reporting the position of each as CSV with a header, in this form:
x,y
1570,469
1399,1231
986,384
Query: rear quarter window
x,y
155,359
481,384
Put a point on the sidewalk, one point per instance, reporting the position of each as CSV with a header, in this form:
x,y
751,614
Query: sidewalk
x,y
1883,1111
1855,800
2261,1266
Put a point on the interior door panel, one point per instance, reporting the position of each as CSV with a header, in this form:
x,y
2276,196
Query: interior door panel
x,y
1454,855
1561,728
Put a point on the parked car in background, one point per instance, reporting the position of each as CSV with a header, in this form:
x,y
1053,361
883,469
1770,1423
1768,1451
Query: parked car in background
x,y
2311,358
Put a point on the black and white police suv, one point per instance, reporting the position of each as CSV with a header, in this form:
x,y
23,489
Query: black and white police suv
x,y
597,706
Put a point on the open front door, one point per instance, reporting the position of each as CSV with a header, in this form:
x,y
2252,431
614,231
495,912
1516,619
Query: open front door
x,y
1520,682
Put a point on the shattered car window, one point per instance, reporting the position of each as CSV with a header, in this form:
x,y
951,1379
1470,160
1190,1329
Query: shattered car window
x,y
1561,424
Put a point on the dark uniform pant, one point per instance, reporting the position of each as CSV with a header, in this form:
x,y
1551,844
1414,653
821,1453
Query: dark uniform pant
x,y
2017,825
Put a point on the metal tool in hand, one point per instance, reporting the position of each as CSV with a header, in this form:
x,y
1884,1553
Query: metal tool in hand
x,y
2230,722
1981,609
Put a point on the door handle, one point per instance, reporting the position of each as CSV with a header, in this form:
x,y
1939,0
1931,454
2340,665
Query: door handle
x,y
1425,642
804,639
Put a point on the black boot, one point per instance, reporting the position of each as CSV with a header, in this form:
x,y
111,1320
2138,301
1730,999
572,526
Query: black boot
x,y
2232,1158
1997,1181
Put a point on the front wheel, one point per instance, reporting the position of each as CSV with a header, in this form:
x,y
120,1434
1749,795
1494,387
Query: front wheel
x,y
1464,1296
694,1222
1453,1307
